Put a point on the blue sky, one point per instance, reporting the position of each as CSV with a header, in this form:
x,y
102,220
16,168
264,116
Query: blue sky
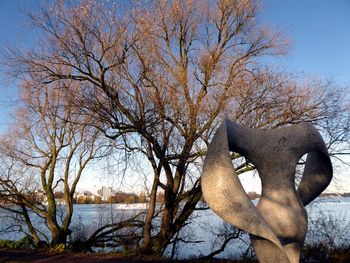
x,y
320,35
319,31
13,28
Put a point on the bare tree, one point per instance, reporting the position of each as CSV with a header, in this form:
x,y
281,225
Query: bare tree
x,y
160,77
47,146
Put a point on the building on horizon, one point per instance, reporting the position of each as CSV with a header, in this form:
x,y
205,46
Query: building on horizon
x,y
105,192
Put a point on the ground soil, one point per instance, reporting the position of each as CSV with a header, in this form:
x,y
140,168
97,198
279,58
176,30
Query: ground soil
x,y
12,256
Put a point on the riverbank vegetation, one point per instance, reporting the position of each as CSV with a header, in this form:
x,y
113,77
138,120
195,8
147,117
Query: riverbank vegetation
x,y
142,88
310,254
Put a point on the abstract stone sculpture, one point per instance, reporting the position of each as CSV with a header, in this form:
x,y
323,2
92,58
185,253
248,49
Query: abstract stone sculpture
x,y
278,224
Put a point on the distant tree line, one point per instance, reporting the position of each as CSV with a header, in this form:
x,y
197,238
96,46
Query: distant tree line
x,y
127,198
119,197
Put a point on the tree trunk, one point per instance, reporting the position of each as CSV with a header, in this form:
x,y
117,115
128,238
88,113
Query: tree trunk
x,y
147,233
69,213
170,224
57,235
165,234
30,225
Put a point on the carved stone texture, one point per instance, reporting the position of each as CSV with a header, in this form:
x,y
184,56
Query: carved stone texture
x,y
278,224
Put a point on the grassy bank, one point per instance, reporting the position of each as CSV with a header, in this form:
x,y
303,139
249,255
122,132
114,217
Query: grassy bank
x,y
22,251
311,254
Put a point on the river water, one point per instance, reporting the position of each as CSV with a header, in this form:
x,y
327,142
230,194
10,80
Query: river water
x,y
329,221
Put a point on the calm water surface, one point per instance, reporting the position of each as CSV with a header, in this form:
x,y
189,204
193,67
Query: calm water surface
x,y
204,223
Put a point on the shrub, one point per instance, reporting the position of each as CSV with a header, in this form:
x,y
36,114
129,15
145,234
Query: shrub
x,y
324,253
24,243
58,248
327,239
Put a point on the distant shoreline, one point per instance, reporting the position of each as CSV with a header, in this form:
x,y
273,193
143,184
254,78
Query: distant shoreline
x,y
251,195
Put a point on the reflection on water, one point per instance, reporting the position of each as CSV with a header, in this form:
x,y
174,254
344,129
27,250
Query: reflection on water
x,y
89,215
